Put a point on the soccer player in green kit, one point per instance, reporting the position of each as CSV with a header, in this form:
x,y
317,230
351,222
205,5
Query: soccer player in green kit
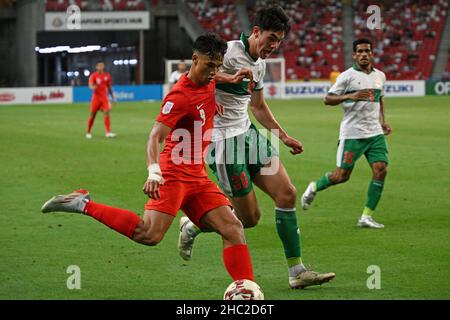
x,y
360,89
235,135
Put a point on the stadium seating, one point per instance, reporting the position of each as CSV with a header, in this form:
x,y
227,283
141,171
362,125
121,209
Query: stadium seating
x,y
101,5
448,62
218,16
404,48
314,44
407,44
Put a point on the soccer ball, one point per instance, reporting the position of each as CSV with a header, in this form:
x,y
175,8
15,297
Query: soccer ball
x,y
243,290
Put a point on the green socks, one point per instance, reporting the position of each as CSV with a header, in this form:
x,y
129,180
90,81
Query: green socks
x,y
373,195
323,182
289,233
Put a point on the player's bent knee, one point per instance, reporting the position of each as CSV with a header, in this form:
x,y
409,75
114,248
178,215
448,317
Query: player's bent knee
x,y
380,172
343,177
233,231
153,240
292,193
287,197
142,235
252,220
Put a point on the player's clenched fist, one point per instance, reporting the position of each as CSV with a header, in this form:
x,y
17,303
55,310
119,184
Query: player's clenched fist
x,y
154,180
241,74
295,145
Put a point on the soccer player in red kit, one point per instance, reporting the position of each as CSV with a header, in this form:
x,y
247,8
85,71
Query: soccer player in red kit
x,y
100,83
177,176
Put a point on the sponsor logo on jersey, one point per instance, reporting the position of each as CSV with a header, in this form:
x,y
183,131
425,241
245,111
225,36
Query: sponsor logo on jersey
x,y
378,83
167,107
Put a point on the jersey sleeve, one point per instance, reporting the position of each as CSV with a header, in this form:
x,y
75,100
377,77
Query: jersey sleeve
x,y
174,107
92,79
340,86
260,84
108,83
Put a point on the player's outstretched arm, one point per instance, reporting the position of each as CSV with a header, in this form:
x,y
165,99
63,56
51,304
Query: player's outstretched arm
x,y
264,115
155,179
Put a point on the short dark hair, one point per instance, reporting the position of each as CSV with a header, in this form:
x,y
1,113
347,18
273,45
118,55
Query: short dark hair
x,y
272,18
210,44
362,41
99,61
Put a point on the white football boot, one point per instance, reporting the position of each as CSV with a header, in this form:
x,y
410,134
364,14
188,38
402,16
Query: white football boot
x,y
88,136
310,278
110,135
308,196
72,202
368,222
185,240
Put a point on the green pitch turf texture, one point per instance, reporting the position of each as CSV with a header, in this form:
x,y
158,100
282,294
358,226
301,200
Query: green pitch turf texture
x,y
43,152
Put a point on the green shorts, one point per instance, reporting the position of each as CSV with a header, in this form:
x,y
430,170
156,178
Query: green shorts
x,y
235,161
349,150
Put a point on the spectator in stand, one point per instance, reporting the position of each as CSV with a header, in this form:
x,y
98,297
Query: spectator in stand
x,y
334,74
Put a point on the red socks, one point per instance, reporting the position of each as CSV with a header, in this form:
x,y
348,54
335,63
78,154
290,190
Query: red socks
x,y
236,258
107,122
90,123
237,262
120,220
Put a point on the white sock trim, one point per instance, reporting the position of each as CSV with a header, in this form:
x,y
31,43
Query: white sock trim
x,y
286,209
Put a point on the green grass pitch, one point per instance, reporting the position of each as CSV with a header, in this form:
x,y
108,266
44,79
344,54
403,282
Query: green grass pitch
x,y
43,152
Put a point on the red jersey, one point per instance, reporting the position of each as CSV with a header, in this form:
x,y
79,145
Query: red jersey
x,y
102,81
189,110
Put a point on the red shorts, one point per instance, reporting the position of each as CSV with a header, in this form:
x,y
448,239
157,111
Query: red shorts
x,y
100,104
195,199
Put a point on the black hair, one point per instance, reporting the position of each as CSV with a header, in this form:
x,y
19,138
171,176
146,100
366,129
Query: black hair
x,y
361,41
99,61
272,18
210,44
